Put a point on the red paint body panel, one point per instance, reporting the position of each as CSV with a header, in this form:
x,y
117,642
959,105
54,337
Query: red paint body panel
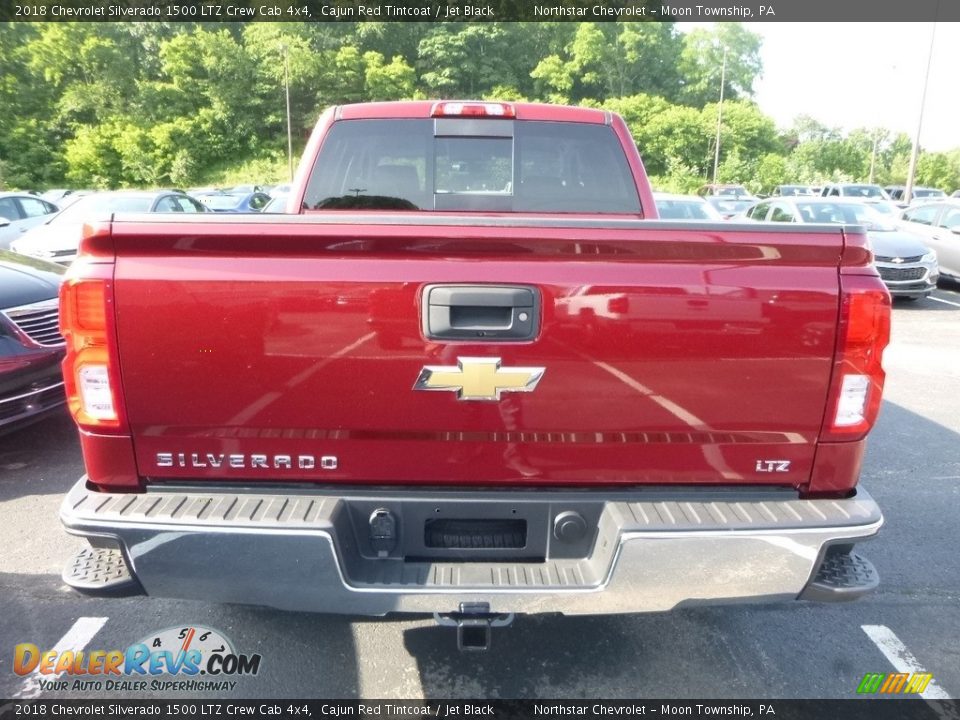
x,y
109,460
835,465
424,109
671,354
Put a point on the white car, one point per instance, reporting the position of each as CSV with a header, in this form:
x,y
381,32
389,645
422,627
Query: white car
x,y
58,238
860,191
685,207
21,211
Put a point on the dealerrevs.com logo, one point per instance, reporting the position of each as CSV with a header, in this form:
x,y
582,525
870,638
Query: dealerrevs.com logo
x,y
189,659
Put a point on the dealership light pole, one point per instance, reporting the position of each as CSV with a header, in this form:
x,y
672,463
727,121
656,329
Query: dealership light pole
x,y
915,155
716,147
286,89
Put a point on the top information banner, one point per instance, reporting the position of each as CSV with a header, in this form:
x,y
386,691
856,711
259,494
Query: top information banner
x,y
852,11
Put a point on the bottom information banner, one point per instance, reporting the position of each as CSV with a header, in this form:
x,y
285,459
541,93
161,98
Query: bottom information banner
x,y
886,709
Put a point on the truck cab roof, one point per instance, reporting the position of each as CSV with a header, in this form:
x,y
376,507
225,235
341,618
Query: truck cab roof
x,y
428,108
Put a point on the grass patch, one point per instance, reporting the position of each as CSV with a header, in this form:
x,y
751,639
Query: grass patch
x,y
265,170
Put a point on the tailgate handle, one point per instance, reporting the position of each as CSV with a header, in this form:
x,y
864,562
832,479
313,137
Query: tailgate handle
x,y
481,312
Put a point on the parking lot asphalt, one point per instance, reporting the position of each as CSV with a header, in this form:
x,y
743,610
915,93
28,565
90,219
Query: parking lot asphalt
x,y
797,650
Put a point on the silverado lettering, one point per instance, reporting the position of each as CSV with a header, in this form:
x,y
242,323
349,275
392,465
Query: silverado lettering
x,y
532,395
212,460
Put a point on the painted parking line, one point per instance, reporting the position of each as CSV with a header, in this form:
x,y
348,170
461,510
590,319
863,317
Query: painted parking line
x,y
77,638
904,661
941,300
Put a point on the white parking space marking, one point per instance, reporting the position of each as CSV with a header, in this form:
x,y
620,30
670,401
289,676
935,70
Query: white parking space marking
x,y
904,661
941,300
77,638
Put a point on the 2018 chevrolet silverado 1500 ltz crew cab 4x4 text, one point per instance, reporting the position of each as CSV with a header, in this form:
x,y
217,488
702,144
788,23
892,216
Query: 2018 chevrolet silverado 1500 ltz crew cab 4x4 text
x,y
473,376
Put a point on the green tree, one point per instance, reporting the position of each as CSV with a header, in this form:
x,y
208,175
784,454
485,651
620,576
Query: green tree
x,y
86,66
806,128
935,169
553,79
92,159
465,61
825,160
607,60
675,139
393,81
896,159
771,171
701,63
305,51
745,130
30,139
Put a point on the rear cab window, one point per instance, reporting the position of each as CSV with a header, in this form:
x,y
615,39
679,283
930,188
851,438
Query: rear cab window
x,y
482,165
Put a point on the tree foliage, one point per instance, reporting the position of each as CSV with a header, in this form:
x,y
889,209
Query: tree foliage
x,y
147,104
702,63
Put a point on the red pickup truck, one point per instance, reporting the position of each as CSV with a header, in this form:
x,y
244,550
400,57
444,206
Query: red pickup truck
x,y
472,374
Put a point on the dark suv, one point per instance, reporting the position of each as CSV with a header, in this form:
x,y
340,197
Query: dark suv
x,y
31,348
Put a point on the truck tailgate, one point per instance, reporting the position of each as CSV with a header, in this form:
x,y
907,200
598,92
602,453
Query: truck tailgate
x,y
288,350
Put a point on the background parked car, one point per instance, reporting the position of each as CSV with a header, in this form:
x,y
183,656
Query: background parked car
x,y
730,206
684,207
855,190
792,191
23,211
55,195
725,190
896,193
234,202
247,189
277,204
58,238
907,267
939,225
31,348
887,208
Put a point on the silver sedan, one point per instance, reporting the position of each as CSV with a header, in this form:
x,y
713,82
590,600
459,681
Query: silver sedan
x,y
19,212
907,267
939,225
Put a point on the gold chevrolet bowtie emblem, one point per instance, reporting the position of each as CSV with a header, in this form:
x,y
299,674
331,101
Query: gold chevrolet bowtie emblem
x,y
478,378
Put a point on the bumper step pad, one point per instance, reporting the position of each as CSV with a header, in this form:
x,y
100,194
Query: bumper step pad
x,y
842,577
100,571
299,548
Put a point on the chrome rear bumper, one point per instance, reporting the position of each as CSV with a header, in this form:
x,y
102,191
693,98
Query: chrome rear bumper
x,y
305,549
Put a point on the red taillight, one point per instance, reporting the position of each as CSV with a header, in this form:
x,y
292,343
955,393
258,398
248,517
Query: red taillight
x,y
473,109
857,384
90,370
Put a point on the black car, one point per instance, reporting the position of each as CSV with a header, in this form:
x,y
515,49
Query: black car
x,y
31,348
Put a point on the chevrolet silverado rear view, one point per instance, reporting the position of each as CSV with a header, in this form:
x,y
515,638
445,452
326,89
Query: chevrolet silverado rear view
x,y
472,374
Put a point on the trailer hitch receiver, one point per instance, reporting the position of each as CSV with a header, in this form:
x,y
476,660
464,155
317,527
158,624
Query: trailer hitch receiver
x,y
473,623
